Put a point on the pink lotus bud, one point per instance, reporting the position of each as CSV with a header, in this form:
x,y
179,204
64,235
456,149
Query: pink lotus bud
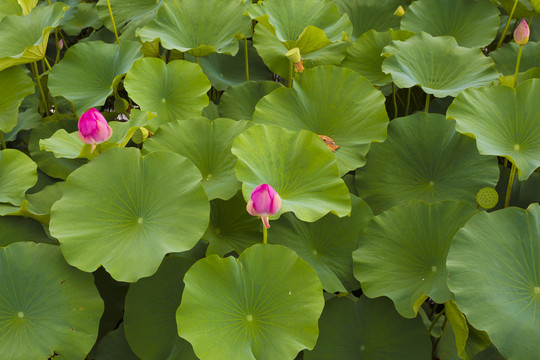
x,y
264,202
60,44
521,35
93,128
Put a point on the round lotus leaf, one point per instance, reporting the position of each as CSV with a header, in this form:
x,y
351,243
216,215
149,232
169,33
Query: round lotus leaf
x,y
505,122
298,165
231,227
113,346
471,23
424,158
17,228
15,85
84,16
226,70
315,27
437,64
364,55
264,305
18,173
9,7
208,145
174,91
239,101
402,253
126,211
127,13
494,273
150,313
89,70
326,244
506,57
190,26
330,101
367,15
47,306
24,38
51,165
369,329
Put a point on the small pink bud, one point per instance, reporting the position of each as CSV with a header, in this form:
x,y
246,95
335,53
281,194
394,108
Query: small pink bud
x,y
264,202
521,35
93,128
60,44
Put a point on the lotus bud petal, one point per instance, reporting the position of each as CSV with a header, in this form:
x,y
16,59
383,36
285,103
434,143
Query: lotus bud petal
x,y
521,35
60,44
399,11
93,128
294,55
264,202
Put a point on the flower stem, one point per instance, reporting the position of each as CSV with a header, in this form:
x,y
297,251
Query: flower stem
x,y
435,321
290,74
265,235
440,337
394,100
426,108
246,59
113,24
503,35
36,74
2,141
517,65
510,184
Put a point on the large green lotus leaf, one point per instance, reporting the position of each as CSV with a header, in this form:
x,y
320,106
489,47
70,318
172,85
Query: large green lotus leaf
x,y
47,307
9,7
15,85
65,145
16,228
331,101
124,12
326,244
47,162
506,57
263,305
89,70
38,205
298,165
190,26
114,346
367,15
150,313
369,329
174,91
505,122
437,64
18,173
424,158
364,55
24,39
402,253
495,275
471,23
239,101
28,118
208,145
225,70
84,16
524,8
125,212
231,227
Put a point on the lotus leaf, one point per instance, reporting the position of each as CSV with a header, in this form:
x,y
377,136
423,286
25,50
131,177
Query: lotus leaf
x,y
424,158
506,57
239,101
437,64
190,26
263,305
85,16
47,307
505,122
9,7
471,23
298,165
330,101
17,174
17,228
125,212
402,253
495,275
114,346
15,85
127,13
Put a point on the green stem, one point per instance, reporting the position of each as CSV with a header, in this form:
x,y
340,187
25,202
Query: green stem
x,y
291,65
426,108
2,141
510,184
265,235
197,60
47,63
517,65
57,58
435,321
36,74
73,109
503,35
113,24
440,337
394,100
408,102
246,59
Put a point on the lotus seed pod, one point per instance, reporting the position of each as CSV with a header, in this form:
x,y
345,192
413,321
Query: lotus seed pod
x,y
487,197
399,11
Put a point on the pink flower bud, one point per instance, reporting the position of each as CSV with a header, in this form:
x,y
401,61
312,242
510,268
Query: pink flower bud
x,y
60,44
93,128
264,202
521,35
